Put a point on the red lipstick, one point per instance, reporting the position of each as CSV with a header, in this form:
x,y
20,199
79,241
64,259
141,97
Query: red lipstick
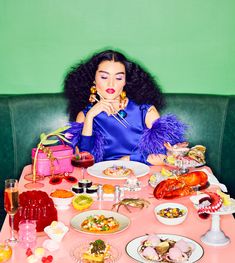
x,y
110,91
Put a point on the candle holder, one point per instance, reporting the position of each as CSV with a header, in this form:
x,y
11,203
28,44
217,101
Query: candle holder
x,y
35,178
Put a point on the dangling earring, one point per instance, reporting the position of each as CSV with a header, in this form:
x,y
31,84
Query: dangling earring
x,y
122,104
92,96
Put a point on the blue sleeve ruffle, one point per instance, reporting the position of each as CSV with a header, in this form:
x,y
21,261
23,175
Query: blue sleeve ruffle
x,y
167,128
93,144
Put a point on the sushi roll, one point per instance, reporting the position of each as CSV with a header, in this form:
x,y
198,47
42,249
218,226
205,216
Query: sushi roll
x,y
77,189
84,183
92,189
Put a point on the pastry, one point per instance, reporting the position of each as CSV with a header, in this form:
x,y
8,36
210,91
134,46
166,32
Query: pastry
x,y
97,252
117,171
108,189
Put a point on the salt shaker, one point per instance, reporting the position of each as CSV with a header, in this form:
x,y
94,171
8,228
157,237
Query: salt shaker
x,y
117,193
100,192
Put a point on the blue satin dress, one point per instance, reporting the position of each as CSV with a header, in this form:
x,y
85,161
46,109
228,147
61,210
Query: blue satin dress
x,y
118,140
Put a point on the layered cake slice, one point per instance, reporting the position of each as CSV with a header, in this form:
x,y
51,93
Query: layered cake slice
x,y
97,252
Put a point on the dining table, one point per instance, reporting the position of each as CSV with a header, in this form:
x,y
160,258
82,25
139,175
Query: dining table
x,y
143,221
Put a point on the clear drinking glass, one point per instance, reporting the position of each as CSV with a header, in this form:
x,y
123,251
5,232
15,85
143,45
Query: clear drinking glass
x,y
11,203
27,233
132,183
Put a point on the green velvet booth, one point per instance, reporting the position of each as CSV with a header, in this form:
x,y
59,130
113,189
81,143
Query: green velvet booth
x,y
211,121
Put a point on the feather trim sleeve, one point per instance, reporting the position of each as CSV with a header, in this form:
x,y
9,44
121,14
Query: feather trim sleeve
x,y
75,129
94,144
167,128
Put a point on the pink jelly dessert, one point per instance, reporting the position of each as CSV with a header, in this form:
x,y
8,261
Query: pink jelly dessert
x,y
38,206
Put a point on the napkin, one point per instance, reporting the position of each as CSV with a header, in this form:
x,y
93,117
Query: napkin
x,y
212,179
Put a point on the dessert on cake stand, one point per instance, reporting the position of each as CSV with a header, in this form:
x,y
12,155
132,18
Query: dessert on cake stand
x,y
215,236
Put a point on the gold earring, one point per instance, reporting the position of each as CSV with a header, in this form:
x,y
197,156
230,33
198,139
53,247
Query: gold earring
x,y
123,95
122,99
93,94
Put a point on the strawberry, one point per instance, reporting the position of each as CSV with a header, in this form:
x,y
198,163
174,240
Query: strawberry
x,y
29,252
50,258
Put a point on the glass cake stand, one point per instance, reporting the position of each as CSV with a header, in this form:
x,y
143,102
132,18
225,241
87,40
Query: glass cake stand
x,y
215,236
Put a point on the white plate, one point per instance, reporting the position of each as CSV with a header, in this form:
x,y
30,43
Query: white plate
x,y
77,220
133,246
97,169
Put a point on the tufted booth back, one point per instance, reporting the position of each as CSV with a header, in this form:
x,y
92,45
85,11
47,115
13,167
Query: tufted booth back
x,y
211,121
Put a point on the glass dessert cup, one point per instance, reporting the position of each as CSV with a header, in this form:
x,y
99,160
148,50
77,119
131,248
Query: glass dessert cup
x,y
132,183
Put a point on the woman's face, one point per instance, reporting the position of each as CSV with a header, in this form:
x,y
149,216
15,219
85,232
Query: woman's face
x,y
110,78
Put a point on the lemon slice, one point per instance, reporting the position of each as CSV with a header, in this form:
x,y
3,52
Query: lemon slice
x,y
82,202
170,159
199,148
225,198
166,172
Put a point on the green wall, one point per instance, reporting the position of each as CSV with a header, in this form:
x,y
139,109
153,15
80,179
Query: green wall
x,y
189,45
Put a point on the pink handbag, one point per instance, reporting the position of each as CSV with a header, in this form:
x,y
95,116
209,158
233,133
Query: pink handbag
x,y
59,163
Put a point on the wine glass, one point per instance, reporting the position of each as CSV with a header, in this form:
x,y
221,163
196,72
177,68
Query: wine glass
x,y
11,203
83,160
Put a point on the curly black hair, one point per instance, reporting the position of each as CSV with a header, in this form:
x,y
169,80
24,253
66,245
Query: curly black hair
x,y
140,86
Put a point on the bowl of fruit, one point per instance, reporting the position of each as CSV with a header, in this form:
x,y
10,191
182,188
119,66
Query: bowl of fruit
x,y
62,198
171,213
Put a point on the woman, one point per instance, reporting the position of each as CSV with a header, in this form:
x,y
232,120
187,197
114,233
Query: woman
x,y
109,83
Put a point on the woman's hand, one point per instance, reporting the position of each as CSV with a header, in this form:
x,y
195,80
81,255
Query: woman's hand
x,y
102,105
156,159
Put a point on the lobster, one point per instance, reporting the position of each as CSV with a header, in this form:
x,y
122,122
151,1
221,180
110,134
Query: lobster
x,y
181,185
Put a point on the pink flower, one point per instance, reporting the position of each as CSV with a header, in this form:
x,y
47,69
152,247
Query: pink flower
x,y
68,135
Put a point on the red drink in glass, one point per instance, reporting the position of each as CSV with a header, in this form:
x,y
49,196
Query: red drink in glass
x,y
83,160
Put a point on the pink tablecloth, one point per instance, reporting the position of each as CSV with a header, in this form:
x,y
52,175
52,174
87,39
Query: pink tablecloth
x,y
142,222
